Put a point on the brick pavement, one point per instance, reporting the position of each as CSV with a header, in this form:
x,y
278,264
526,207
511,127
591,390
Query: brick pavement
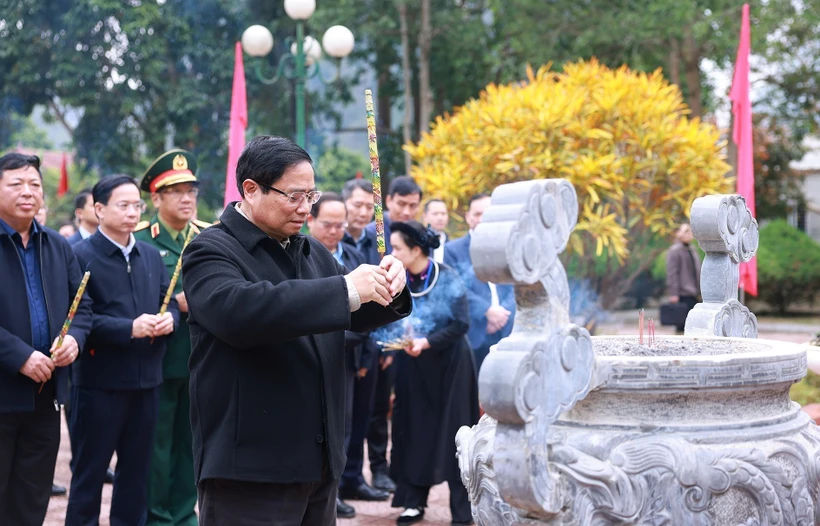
x,y
368,513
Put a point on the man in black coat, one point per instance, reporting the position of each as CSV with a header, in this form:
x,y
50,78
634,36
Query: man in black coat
x,y
326,223
267,311
115,384
40,277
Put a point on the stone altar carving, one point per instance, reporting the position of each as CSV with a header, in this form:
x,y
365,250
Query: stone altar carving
x,y
727,232
605,431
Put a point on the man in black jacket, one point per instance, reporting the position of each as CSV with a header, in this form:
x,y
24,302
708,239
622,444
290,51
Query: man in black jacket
x,y
115,385
326,223
267,312
40,278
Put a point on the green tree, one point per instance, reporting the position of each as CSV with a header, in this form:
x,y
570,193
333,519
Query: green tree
x,y
337,165
143,74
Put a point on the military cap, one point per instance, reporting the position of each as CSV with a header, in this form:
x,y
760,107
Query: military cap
x,y
172,167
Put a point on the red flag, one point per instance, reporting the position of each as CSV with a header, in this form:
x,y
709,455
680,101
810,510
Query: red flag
x,y
62,189
239,122
742,136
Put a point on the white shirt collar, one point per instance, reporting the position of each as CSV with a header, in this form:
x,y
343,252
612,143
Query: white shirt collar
x,y
84,233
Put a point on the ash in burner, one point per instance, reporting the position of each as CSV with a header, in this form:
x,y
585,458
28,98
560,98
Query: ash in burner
x,y
630,346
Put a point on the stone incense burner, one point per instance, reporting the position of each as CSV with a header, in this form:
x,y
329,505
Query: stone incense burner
x,y
692,430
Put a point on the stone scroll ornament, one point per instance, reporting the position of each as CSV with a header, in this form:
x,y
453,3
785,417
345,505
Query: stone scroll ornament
x,y
727,232
541,370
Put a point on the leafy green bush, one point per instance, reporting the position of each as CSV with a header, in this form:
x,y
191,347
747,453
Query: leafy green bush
x,y
788,265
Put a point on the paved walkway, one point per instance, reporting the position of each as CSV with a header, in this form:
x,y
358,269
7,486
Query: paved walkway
x,y
380,513
369,513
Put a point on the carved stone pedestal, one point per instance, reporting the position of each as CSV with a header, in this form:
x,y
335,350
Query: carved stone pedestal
x,y
694,430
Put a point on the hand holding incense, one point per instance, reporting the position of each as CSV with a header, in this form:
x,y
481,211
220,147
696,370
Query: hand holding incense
x,y
173,283
374,167
71,312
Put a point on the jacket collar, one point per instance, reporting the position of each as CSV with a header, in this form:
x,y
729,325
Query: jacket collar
x,y
101,243
250,235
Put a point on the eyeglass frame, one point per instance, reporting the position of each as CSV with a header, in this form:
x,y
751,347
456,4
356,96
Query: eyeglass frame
x,y
178,192
334,226
290,197
124,206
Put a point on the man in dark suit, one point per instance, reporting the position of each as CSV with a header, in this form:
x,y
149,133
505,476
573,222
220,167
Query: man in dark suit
x,y
40,279
402,202
84,216
492,307
115,389
267,309
326,223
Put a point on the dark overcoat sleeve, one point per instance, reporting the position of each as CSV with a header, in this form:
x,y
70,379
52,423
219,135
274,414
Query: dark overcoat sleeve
x,y
247,314
13,352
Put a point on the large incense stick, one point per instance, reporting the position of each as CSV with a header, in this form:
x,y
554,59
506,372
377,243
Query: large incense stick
x,y
172,285
71,312
374,167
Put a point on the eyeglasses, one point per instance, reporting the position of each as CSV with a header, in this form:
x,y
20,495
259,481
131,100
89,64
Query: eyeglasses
x,y
333,226
123,206
295,197
179,192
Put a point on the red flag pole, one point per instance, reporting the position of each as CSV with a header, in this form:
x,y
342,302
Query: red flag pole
x,y
742,137
239,123
62,189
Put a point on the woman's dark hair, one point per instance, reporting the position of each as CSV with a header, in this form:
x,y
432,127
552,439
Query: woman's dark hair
x,y
14,161
105,187
415,234
265,160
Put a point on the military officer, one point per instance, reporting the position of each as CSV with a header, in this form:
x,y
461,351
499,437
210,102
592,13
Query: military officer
x,y
173,186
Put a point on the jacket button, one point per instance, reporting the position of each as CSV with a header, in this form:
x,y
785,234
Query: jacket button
x,y
320,439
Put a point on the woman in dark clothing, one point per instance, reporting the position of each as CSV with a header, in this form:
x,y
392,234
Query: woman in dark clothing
x,y
436,388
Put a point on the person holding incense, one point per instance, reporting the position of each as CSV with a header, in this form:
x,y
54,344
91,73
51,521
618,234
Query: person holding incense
x,y
115,390
171,181
41,277
402,200
267,309
436,387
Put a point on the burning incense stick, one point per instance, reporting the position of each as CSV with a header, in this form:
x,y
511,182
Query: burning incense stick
x,y
651,332
640,326
397,344
172,285
374,166
71,312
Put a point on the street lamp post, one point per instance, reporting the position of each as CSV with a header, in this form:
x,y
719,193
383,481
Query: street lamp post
x,y
304,53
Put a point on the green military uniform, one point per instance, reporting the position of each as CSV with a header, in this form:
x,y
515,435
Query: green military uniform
x,y
172,490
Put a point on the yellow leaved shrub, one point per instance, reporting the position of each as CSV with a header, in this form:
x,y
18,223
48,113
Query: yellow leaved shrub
x,y
621,137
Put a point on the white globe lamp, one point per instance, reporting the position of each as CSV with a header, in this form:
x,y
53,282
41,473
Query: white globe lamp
x,y
338,41
300,9
257,41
